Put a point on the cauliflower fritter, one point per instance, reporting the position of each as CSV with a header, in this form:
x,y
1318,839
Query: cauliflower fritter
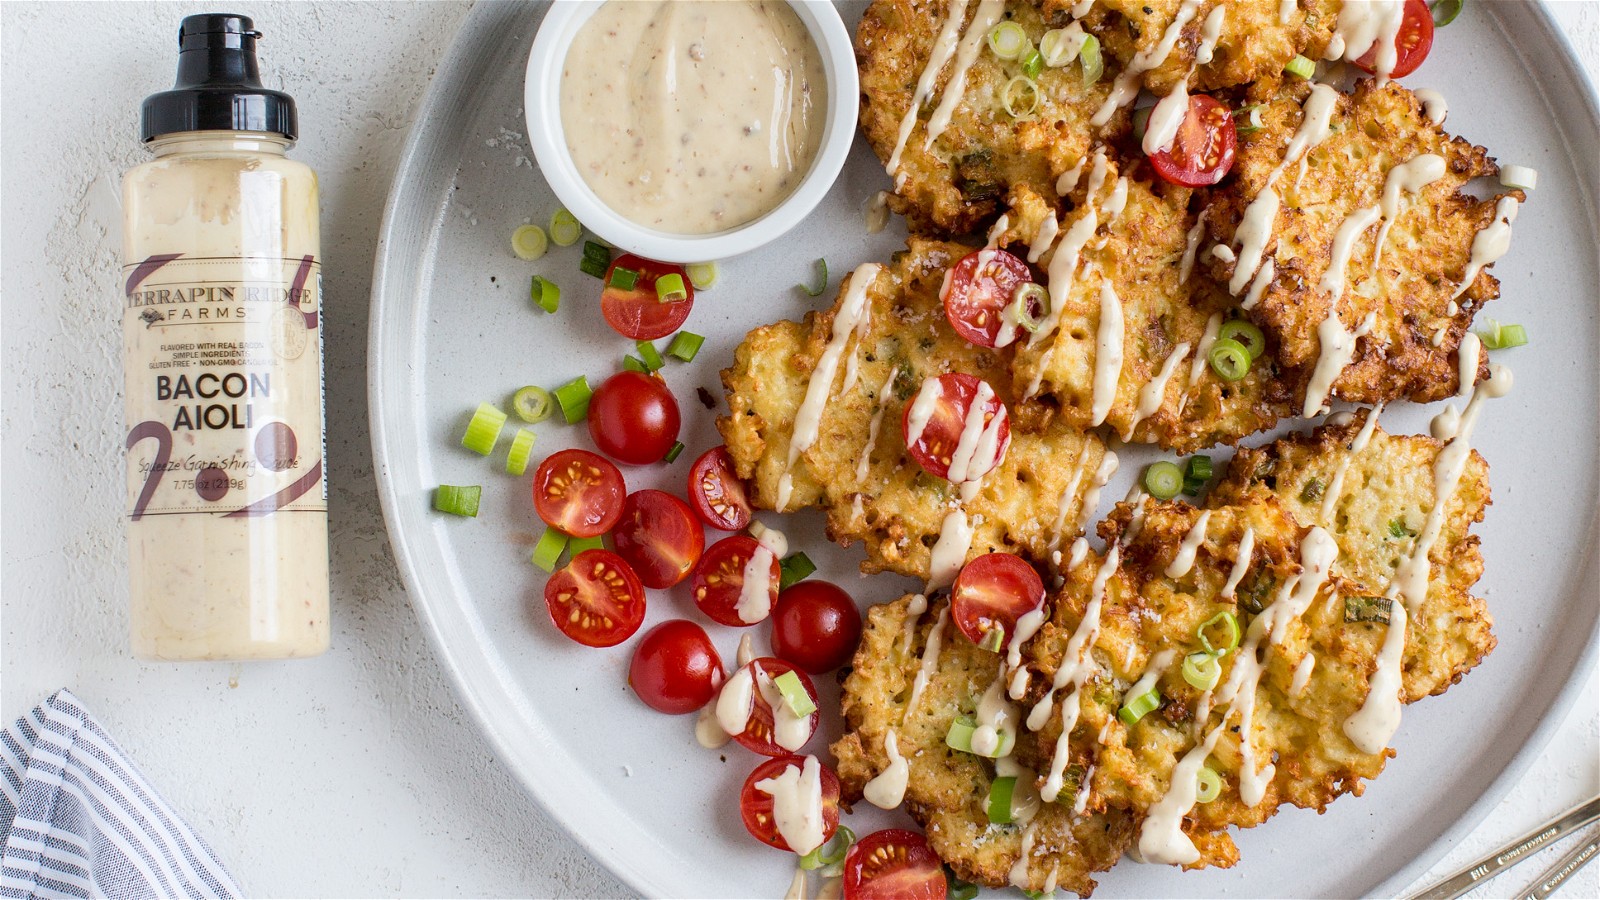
x,y
890,503
1141,238
955,184
1383,501
1407,291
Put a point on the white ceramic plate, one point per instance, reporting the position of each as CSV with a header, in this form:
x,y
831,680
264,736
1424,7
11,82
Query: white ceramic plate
x,y
452,326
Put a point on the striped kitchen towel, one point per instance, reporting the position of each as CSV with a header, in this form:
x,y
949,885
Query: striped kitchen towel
x,y
80,821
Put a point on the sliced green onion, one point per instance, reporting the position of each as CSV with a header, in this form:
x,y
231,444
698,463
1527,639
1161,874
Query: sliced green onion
x,y
795,568
1039,895
1163,480
1398,529
832,852
1032,64
684,346
673,451
702,275
993,639
1193,486
548,551
959,737
532,404
521,451
1210,784
573,397
1367,609
1058,48
1519,177
670,289
631,363
1245,334
1000,799
1301,66
1008,40
1020,97
650,355
1252,119
483,431
546,293
1202,671
457,500
1089,57
1199,466
1141,121
822,280
956,889
1502,337
1312,490
565,229
622,278
579,545
1138,707
598,251
795,695
1445,11
1230,623
1030,303
1229,359
529,242
592,266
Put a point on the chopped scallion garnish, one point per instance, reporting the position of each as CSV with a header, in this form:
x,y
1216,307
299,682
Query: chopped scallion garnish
x,y
529,242
822,280
532,404
959,737
1138,707
521,451
1089,57
684,346
1301,66
1032,64
1445,11
795,568
631,363
1210,784
597,250
1367,609
546,293
1398,529
1229,359
1058,47
1251,116
1008,40
1163,480
592,266
795,695
1202,671
1519,177
832,852
955,888
1312,490
670,289
1502,337
549,549
622,278
994,639
673,451
1020,97
1199,466
483,431
457,500
650,355
702,275
573,398
1000,792
565,229
1230,631
1245,334
579,545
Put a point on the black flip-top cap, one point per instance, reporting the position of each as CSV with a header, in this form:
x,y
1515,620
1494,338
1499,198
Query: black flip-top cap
x,y
219,84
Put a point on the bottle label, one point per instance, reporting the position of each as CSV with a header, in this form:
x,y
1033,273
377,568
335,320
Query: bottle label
x,y
224,385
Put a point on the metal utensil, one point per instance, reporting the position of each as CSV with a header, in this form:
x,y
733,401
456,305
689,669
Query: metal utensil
x,y
1518,850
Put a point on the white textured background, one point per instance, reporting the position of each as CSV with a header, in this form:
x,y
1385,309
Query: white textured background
x,y
358,773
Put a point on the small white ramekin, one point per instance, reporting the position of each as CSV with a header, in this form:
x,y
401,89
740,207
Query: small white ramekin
x,y
542,103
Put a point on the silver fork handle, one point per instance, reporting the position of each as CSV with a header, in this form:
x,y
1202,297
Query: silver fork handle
x,y
1557,875
1509,855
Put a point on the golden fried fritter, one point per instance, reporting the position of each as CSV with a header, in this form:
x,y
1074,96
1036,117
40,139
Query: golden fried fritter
x,y
1416,326
947,791
1382,503
1169,319
890,503
955,185
1253,42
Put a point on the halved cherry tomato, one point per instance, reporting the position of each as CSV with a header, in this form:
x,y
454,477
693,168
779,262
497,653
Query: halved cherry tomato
x,y
578,493
994,590
979,288
1411,44
816,626
755,806
717,493
758,735
639,313
893,864
719,579
659,536
633,418
1202,152
675,668
596,599
940,435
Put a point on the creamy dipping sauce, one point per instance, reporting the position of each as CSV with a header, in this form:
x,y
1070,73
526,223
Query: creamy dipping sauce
x,y
693,116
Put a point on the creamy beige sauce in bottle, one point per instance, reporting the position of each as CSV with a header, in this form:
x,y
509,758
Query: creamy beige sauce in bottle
x,y
227,530
693,116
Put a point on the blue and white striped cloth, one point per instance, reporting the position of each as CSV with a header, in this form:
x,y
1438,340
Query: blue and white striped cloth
x,y
80,821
